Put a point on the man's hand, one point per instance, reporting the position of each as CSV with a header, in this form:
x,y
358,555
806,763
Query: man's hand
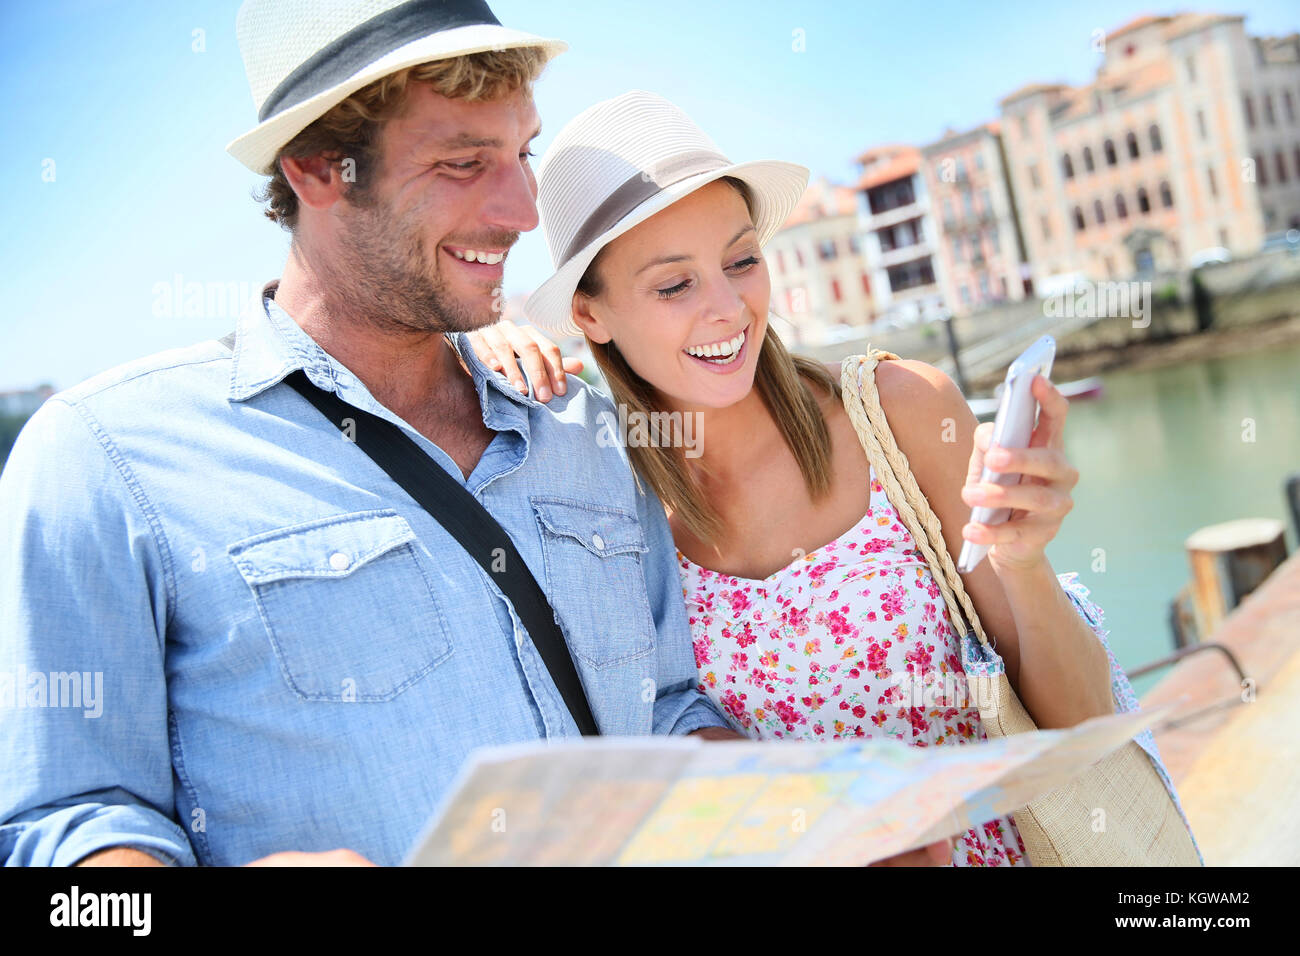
x,y
328,858
120,856
716,733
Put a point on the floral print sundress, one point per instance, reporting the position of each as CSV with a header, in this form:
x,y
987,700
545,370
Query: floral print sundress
x,y
827,646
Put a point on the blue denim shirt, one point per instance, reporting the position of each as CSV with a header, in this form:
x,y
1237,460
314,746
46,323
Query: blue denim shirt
x,y
226,632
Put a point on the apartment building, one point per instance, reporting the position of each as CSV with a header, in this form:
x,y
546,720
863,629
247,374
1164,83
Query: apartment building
x,y
1187,140
901,238
980,256
820,280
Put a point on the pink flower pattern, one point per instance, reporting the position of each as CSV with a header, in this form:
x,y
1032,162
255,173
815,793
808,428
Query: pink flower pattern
x,y
829,646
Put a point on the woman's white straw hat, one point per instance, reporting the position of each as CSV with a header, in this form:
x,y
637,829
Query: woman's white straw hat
x,y
618,163
304,57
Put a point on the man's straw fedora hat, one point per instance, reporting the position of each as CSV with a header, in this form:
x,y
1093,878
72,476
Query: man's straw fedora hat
x,y
303,57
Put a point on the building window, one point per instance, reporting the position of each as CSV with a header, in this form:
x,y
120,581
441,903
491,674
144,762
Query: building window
x,y
1280,162
965,294
1132,141
986,202
1033,177
1268,110
1214,186
1098,213
1154,134
910,275
1249,106
826,250
1121,207
1108,148
1190,63
961,171
1200,124
1288,106
968,205
1046,226
979,161
855,247
836,294
1261,169
993,237
1067,166
1087,159
956,248
947,211
984,285
1078,219
1144,201
1297,162
1166,195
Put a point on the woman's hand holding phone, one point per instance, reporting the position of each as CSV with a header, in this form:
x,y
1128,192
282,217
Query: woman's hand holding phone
x,y
1039,502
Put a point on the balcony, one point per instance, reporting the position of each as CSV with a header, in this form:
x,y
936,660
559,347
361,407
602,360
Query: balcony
x,y
901,254
893,216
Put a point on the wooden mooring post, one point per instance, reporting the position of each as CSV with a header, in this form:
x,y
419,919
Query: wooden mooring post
x,y
1229,561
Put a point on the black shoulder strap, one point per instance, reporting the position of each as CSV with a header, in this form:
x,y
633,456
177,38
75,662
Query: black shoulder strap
x,y
460,513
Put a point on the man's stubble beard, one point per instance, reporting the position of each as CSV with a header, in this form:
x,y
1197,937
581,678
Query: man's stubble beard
x,y
386,275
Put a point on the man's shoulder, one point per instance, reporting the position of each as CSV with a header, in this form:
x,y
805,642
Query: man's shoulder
x,y
581,403
144,372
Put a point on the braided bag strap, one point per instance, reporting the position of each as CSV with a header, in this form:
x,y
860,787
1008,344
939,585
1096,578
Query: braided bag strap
x,y
862,402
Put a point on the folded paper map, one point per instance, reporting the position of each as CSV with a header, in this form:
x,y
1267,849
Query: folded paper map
x,y
632,801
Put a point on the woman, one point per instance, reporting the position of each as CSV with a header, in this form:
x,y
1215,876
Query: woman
x,y
810,608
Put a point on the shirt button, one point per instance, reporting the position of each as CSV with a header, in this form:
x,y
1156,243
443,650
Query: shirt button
x,y
598,541
339,561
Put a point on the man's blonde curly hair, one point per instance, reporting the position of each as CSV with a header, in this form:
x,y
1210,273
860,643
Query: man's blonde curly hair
x,y
351,129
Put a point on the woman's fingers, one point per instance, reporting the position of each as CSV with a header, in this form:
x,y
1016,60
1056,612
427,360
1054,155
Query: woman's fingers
x,y
552,361
1052,409
516,351
1049,464
1031,498
934,854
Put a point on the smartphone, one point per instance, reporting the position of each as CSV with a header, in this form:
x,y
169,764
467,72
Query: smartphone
x,y
1017,415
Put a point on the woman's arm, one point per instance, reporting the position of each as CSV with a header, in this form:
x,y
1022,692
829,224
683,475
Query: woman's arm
x,y
1054,662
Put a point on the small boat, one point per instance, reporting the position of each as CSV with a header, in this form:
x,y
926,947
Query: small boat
x,y
986,408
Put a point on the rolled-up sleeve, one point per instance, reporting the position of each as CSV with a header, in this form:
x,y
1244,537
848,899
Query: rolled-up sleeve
x,y
1121,689
84,594
680,707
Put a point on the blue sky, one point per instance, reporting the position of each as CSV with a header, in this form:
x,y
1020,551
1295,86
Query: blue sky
x,y
136,122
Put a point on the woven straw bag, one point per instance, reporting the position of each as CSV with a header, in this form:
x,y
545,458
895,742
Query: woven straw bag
x,y
1117,813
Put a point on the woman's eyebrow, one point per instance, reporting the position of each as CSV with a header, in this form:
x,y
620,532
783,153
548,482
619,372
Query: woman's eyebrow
x,y
748,227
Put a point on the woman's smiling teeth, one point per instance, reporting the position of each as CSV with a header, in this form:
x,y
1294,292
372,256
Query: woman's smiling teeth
x,y
718,351
472,255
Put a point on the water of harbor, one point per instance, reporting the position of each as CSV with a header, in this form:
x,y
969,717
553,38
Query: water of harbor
x,y
1160,454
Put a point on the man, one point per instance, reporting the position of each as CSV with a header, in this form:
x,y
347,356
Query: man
x,y
294,656
291,659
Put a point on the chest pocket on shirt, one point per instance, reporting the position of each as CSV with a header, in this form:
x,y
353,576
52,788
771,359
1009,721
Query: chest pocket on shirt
x,y
347,605
595,581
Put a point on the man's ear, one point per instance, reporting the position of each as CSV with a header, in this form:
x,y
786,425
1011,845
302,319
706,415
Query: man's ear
x,y
317,180
587,320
